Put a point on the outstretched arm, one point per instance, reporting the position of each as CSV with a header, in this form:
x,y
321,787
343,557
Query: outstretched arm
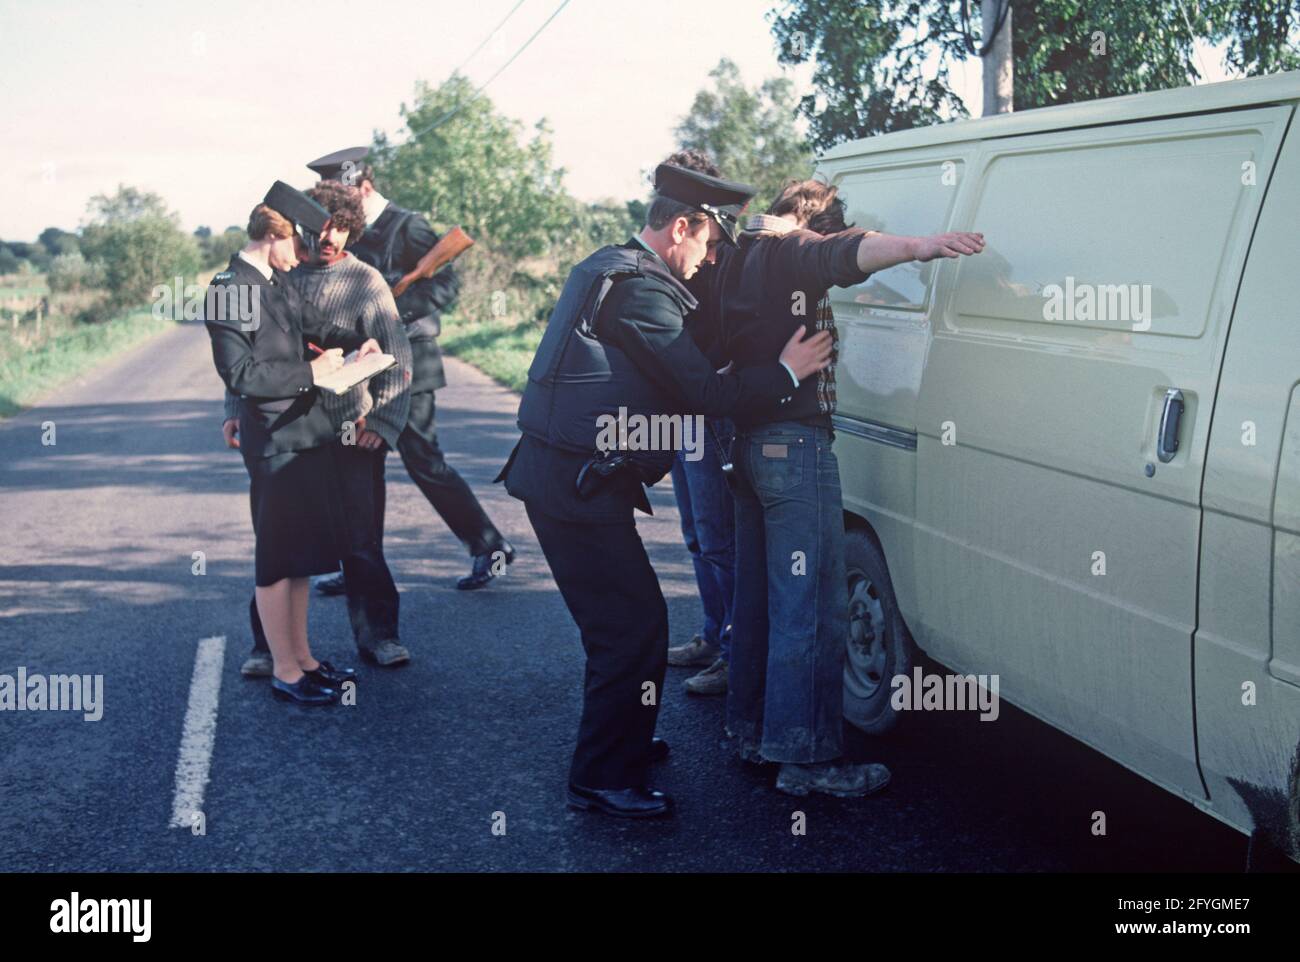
x,y
876,252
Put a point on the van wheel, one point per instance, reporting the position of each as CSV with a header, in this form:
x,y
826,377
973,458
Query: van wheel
x,y
878,646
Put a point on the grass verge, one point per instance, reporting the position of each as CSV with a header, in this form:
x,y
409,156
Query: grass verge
x,y
26,376
500,348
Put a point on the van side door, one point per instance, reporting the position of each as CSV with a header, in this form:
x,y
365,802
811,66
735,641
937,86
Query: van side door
x,y
1063,418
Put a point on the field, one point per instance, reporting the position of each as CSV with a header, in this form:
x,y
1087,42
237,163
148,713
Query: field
x,y
47,339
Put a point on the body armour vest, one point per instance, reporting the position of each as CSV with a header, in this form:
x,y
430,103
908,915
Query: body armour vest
x,y
575,378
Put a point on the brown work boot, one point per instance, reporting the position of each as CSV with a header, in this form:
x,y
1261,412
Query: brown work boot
x,y
841,779
696,652
711,681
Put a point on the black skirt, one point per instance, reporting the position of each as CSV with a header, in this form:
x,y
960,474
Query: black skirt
x,y
304,520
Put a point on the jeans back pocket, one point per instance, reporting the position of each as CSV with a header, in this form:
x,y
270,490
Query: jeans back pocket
x,y
777,463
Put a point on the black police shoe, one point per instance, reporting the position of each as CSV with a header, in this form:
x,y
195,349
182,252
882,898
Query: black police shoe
x,y
482,571
658,750
621,802
304,691
328,676
330,585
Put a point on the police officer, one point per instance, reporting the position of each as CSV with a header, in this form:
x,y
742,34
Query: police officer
x,y
616,340
301,519
394,241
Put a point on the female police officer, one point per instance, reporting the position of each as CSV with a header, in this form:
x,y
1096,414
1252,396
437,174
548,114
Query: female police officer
x,y
286,438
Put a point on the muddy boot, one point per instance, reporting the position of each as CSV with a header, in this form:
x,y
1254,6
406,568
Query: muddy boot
x,y
837,778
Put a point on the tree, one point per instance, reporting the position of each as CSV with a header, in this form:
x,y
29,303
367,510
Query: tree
x,y
471,166
217,249
56,241
1261,35
203,232
139,241
749,132
474,169
8,262
883,66
1066,51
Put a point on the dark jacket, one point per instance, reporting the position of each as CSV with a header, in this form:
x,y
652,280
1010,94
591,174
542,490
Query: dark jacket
x,y
641,316
393,245
268,365
749,308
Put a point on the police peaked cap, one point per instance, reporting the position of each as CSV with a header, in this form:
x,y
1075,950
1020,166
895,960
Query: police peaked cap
x,y
722,200
296,206
332,166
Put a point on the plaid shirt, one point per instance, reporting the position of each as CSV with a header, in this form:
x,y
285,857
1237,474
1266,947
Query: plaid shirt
x,y
826,376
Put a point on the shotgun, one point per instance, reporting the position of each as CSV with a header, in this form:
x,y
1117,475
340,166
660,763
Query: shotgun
x,y
452,244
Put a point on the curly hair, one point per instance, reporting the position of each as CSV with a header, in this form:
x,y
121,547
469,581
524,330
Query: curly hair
x,y
664,210
694,159
344,205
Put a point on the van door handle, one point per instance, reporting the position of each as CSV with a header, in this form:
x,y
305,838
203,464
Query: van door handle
x,y
1170,420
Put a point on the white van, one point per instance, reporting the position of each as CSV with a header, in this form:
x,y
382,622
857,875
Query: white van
x,y
1073,461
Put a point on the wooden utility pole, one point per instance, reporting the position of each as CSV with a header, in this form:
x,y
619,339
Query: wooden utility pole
x,y
995,15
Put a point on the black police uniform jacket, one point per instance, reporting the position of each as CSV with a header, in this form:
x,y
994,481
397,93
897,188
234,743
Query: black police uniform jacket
x,y
267,365
393,245
616,339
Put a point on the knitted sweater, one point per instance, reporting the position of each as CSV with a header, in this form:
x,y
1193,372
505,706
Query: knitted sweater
x,y
354,296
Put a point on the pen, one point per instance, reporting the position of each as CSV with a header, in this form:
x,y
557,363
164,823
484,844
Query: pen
x,y
346,360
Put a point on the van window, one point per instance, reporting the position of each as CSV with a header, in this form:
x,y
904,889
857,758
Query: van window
x,y
911,199
1128,236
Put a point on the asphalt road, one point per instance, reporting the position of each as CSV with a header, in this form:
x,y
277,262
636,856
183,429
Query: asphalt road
x,y
96,578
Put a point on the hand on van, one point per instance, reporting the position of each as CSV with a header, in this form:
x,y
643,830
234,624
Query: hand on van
x,y
805,357
879,251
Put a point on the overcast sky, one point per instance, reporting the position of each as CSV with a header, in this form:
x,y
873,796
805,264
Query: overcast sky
x,y
192,101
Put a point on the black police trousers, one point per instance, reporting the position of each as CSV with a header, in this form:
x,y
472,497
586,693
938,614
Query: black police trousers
x,y
606,580
372,596
438,481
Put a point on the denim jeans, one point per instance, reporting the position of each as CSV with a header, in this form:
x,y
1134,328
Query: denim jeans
x,y
708,518
785,688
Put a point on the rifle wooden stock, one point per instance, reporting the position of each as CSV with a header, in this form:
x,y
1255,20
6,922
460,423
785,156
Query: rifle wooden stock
x,y
453,243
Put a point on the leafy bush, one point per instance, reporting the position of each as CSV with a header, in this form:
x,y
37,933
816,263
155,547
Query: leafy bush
x,y
71,272
140,243
217,249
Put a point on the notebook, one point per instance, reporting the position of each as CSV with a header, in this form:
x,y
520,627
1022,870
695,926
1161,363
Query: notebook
x,y
354,371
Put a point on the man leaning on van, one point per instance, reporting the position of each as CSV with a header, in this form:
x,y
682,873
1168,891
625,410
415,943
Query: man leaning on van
x,y
790,612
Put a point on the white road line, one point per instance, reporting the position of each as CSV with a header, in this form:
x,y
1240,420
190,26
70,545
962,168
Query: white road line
x,y
199,732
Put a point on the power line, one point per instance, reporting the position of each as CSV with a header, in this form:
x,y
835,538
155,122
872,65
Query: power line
x,y
461,65
477,93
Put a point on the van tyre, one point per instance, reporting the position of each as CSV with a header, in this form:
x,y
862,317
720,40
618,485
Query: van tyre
x,y
878,646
